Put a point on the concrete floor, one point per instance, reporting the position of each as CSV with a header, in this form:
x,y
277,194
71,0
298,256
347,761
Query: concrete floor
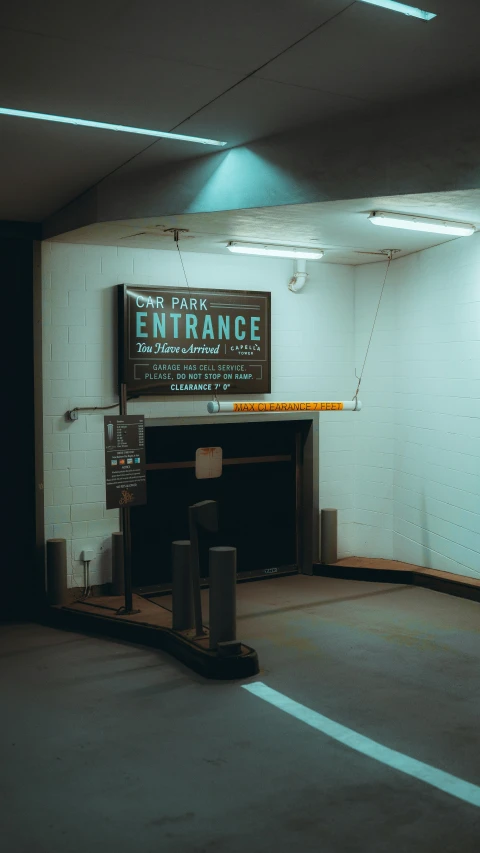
x,y
106,746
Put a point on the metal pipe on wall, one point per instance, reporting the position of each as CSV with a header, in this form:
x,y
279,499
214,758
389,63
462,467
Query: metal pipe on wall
x,y
215,406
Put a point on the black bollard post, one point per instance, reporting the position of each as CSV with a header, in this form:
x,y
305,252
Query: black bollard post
x,y
223,606
205,515
328,526
57,592
182,590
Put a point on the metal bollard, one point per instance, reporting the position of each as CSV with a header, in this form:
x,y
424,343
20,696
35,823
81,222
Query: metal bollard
x,y
328,526
201,515
118,577
57,592
182,590
223,606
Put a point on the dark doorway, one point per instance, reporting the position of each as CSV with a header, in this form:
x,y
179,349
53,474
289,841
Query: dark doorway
x,y
259,497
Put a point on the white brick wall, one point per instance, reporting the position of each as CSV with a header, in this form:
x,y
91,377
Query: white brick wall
x,y
405,474
312,358
417,489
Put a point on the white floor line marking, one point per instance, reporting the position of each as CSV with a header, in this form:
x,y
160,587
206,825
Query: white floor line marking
x,y
465,791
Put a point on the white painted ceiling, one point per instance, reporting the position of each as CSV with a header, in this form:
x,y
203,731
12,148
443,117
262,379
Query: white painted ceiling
x,y
341,228
216,68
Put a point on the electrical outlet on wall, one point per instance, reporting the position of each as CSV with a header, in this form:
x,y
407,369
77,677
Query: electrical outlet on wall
x,y
87,555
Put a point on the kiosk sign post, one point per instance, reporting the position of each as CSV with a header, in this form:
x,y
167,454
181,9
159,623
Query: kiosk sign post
x,y
125,477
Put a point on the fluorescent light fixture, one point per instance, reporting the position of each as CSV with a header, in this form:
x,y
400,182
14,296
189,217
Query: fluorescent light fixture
x,y
275,251
101,125
412,11
421,223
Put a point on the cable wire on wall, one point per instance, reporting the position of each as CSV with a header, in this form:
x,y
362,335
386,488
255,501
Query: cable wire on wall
x,y
390,256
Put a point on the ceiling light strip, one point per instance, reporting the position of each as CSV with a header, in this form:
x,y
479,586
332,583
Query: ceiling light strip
x,y
411,11
275,251
101,125
421,223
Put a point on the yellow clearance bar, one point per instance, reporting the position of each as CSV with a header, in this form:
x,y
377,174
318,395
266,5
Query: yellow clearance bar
x,y
287,407
307,406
